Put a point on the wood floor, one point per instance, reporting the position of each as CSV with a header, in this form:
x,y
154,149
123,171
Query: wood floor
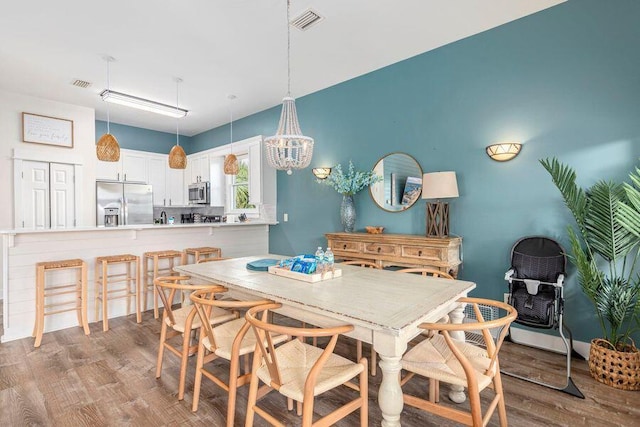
x,y
108,379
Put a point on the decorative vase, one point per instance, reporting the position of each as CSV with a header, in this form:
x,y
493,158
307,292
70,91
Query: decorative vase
x,y
616,368
348,213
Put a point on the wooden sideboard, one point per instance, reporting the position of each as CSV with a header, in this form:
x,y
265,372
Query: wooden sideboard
x,y
403,250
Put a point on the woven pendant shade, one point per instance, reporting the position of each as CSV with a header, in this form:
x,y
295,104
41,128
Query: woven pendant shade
x,y
177,158
107,148
230,164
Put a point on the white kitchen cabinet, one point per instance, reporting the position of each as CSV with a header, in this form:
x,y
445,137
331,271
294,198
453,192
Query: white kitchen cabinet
x,y
199,168
132,166
175,188
158,178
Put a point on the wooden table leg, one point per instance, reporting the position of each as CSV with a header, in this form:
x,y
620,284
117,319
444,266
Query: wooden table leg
x,y
390,349
456,394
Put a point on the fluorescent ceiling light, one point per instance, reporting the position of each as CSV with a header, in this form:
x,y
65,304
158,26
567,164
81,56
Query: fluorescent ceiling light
x,y
142,104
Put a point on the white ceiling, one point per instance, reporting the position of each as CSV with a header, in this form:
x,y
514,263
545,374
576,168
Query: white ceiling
x,y
221,47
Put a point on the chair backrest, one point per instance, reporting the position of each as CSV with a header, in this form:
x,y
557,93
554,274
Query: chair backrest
x,y
539,258
204,301
362,263
492,344
265,331
425,271
167,287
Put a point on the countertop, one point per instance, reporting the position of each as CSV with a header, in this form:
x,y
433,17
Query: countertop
x,y
140,227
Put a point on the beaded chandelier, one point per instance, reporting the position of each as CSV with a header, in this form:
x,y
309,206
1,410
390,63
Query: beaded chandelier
x,y
289,149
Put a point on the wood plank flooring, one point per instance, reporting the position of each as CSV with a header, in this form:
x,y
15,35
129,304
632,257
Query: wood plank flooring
x,y
108,379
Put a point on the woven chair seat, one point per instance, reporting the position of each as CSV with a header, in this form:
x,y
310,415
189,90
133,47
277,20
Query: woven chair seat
x,y
226,333
163,254
180,316
116,258
433,358
66,263
296,360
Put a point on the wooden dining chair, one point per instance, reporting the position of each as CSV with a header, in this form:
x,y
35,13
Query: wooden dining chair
x,y
301,371
374,355
434,387
426,271
442,358
183,322
227,341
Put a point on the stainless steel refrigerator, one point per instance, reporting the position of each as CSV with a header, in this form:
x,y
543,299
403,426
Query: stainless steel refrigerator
x,y
133,201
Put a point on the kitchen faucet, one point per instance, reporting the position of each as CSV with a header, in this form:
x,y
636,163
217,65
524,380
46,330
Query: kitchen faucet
x,y
163,217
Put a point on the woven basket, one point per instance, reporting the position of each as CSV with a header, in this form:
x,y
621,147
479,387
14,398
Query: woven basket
x,y
230,164
177,158
107,148
618,369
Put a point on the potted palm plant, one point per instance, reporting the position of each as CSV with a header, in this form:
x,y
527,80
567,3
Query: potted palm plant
x,y
605,250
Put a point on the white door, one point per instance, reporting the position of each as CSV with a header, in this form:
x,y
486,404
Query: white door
x,y
62,195
48,195
35,195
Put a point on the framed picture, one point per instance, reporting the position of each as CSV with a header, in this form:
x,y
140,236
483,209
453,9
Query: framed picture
x,y
47,130
412,190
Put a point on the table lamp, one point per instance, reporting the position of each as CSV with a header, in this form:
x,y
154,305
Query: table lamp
x,y
438,185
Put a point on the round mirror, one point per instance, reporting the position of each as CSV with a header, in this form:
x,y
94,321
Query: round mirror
x,y
401,185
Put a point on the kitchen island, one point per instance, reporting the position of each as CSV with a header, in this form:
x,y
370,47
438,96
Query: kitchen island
x,y
22,249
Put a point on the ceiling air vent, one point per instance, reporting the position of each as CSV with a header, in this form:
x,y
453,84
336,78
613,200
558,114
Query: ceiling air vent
x,y
81,83
307,19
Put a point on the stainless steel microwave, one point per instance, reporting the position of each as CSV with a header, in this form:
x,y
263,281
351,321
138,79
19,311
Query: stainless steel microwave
x,y
199,193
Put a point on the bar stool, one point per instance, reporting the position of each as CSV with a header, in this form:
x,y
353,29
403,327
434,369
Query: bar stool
x,y
103,280
78,288
199,254
151,272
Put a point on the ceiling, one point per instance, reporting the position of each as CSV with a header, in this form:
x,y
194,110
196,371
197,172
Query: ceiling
x,y
220,48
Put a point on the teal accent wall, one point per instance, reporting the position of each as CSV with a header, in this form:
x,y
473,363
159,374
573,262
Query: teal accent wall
x,y
564,81
134,138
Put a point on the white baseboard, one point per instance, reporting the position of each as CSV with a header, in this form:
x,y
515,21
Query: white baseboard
x,y
548,342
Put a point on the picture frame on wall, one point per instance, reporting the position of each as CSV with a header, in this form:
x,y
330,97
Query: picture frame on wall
x,y
47,130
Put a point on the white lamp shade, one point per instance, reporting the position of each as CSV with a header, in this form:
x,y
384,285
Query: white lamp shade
x,y
439,185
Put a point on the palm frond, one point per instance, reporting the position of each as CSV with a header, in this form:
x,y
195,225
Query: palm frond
x,y
605,232
564,179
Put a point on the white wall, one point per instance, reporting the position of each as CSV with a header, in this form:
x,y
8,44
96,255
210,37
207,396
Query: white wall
x,y
12,105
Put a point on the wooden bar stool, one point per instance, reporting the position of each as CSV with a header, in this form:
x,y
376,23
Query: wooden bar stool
x,y
78,289
153,270
200,253
103,280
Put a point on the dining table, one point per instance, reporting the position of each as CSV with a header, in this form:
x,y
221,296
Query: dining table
x,y
384,307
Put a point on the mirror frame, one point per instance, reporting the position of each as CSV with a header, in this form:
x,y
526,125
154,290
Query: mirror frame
x,y
381,204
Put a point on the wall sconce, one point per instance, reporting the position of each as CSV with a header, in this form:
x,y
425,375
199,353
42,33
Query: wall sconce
x,y
321,173
504,151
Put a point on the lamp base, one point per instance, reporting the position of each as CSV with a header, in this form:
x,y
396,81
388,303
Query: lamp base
x,y
437,219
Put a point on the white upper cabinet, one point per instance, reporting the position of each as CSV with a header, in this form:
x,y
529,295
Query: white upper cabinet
x,y
199,168
132,166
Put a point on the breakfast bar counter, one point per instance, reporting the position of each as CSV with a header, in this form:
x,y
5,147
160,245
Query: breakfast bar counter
x,y
21,249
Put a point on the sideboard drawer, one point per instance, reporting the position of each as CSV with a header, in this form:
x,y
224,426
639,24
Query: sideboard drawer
x,y
420,252
345,246
380,249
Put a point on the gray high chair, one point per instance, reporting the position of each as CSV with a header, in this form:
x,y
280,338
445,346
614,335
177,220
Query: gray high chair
x,y
536,290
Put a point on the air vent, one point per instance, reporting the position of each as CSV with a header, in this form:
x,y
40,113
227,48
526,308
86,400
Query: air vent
x,y
81,83
306,20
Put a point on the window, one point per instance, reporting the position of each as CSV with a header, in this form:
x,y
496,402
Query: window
x,y
238,188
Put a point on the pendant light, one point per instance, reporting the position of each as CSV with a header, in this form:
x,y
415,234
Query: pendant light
x,y
230,160
289,149
107,148
177,156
